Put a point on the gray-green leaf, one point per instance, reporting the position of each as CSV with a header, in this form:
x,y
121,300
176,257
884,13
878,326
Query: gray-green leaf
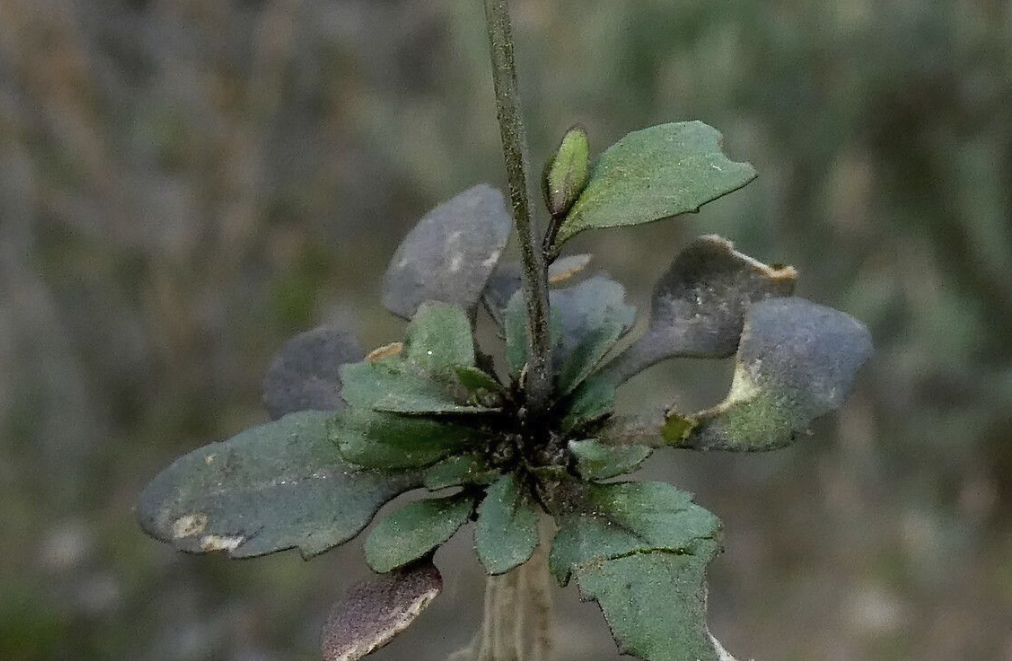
x,y
591,402
278,486
699,305
507,530
395,385
416,530
655,603
797,361
375,610
450,254
304,374
612,520
506,282
653,174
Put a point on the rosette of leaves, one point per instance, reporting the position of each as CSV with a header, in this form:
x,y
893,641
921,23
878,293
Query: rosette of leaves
x,y
433,414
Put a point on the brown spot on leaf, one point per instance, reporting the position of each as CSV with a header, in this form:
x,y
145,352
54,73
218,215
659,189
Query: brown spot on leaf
x,y
210,543
385,351
189,525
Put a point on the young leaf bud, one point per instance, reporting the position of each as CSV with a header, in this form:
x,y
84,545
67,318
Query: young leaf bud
x,y
567,172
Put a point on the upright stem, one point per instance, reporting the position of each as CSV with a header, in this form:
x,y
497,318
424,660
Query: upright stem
x,y
514,143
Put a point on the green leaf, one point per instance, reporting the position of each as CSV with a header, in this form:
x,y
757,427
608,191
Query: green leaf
x,y
459,470
507,530
450,254
278,486
567,172
394,385
612,520
797,361
375,610
655,603
477,382
439,339
699,305
597,461
416,530
591,402
653,174
304,374
377,439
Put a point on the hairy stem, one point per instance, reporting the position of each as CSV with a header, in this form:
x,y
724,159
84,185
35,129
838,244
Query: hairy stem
x,y
514,143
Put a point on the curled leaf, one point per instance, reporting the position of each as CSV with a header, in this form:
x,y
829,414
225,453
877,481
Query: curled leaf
x,y
374,611
450,254
278,486
797,361
699,305
304,374
653,174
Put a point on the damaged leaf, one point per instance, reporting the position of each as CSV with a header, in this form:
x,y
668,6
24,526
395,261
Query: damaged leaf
x,y
416,530
656,173
507,530
655,603
450,254
699,305
375,610
797,361
278,486
304,374
612,520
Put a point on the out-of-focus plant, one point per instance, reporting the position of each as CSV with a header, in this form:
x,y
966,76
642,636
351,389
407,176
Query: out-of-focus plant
x,y
528,451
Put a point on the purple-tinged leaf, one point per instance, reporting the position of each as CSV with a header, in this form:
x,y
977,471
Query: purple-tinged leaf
x,y
699,305
376,610
797,361
304,376
506,280
449,256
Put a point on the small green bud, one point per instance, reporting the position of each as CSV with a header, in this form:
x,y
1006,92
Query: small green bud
x,y
567,172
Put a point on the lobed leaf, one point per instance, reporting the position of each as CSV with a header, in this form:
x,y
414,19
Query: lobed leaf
x,y
699,305
304,374
377,439
612,520
416,530
655,603
278,486
450,254
507,531
656,173
596,461
375,610
797,361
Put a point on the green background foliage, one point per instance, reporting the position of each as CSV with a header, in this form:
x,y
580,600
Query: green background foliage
x,y
185,184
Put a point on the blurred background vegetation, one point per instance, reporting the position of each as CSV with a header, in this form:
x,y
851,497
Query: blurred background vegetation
x,y
184,183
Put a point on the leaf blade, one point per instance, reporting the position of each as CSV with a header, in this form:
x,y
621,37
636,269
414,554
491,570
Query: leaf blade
x,y
416,530
656,173
507,531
